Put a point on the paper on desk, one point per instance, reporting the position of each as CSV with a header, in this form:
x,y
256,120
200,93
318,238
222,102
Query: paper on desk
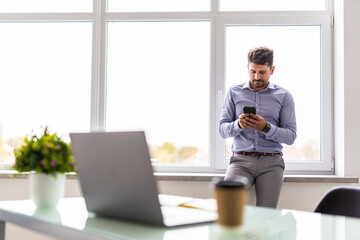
x,y
203,204
197,203
173,201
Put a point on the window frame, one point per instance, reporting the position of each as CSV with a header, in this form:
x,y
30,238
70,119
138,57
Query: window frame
x,y
320,18
15,17
185,16
218,21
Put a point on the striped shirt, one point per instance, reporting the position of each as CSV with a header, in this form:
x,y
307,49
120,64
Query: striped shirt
x,y
274,104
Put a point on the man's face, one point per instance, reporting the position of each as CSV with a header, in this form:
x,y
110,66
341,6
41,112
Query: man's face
x,y
259,75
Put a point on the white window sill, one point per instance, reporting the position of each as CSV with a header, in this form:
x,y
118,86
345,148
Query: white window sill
x,y
288,178
209,176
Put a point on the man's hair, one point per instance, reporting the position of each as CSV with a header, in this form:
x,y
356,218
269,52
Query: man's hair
x,y
261,56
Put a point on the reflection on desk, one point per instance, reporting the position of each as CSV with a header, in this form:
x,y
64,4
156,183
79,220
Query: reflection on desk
x,y
264,225
70,220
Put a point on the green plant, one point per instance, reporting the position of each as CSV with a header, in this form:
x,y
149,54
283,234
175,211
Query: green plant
x,y
47,154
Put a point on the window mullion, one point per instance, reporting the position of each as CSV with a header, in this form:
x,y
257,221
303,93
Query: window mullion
x,y
220,94
97,119
214,6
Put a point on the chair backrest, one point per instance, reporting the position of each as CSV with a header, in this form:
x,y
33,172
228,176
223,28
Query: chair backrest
x,y
344,201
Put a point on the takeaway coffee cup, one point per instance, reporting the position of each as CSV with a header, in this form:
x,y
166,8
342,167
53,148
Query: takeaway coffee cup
x,y
231,199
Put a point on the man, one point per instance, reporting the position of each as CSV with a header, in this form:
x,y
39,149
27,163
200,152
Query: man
x,y
257,138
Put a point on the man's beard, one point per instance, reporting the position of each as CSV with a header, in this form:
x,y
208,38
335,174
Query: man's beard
x,y
258,83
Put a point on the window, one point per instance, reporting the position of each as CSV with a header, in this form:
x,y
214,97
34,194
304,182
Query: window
x,y
163,67
45,79
166,67
303,65
295,75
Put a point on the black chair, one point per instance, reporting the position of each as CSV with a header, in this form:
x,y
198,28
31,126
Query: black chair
x,y
343,201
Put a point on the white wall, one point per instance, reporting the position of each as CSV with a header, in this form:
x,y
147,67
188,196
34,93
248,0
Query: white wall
x,y
298,196
351,86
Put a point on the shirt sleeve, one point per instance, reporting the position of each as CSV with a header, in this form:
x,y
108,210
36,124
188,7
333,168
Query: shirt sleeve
x,y
229,123
286,131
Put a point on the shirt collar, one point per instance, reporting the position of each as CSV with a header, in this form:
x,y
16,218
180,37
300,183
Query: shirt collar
x,y
269,86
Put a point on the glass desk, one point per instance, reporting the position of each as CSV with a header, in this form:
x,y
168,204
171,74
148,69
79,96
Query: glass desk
x,y
70,220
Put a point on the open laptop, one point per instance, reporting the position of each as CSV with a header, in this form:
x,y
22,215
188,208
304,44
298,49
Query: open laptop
x,y
117,180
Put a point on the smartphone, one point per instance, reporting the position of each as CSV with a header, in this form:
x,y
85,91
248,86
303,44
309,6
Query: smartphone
x,y
247,109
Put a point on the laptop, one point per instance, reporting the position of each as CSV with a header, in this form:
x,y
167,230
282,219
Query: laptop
x,y
117,180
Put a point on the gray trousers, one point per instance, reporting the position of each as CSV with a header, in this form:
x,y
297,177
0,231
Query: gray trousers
x,y
266,172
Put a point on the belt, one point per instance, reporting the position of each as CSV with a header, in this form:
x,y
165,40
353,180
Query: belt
x,y
256,154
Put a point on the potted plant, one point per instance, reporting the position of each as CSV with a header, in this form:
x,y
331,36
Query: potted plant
x,y
47,158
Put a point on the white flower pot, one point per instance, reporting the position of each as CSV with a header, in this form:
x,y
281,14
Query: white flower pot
x,y
45,190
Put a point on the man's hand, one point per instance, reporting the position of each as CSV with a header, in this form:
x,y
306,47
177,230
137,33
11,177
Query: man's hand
x,y
252,121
